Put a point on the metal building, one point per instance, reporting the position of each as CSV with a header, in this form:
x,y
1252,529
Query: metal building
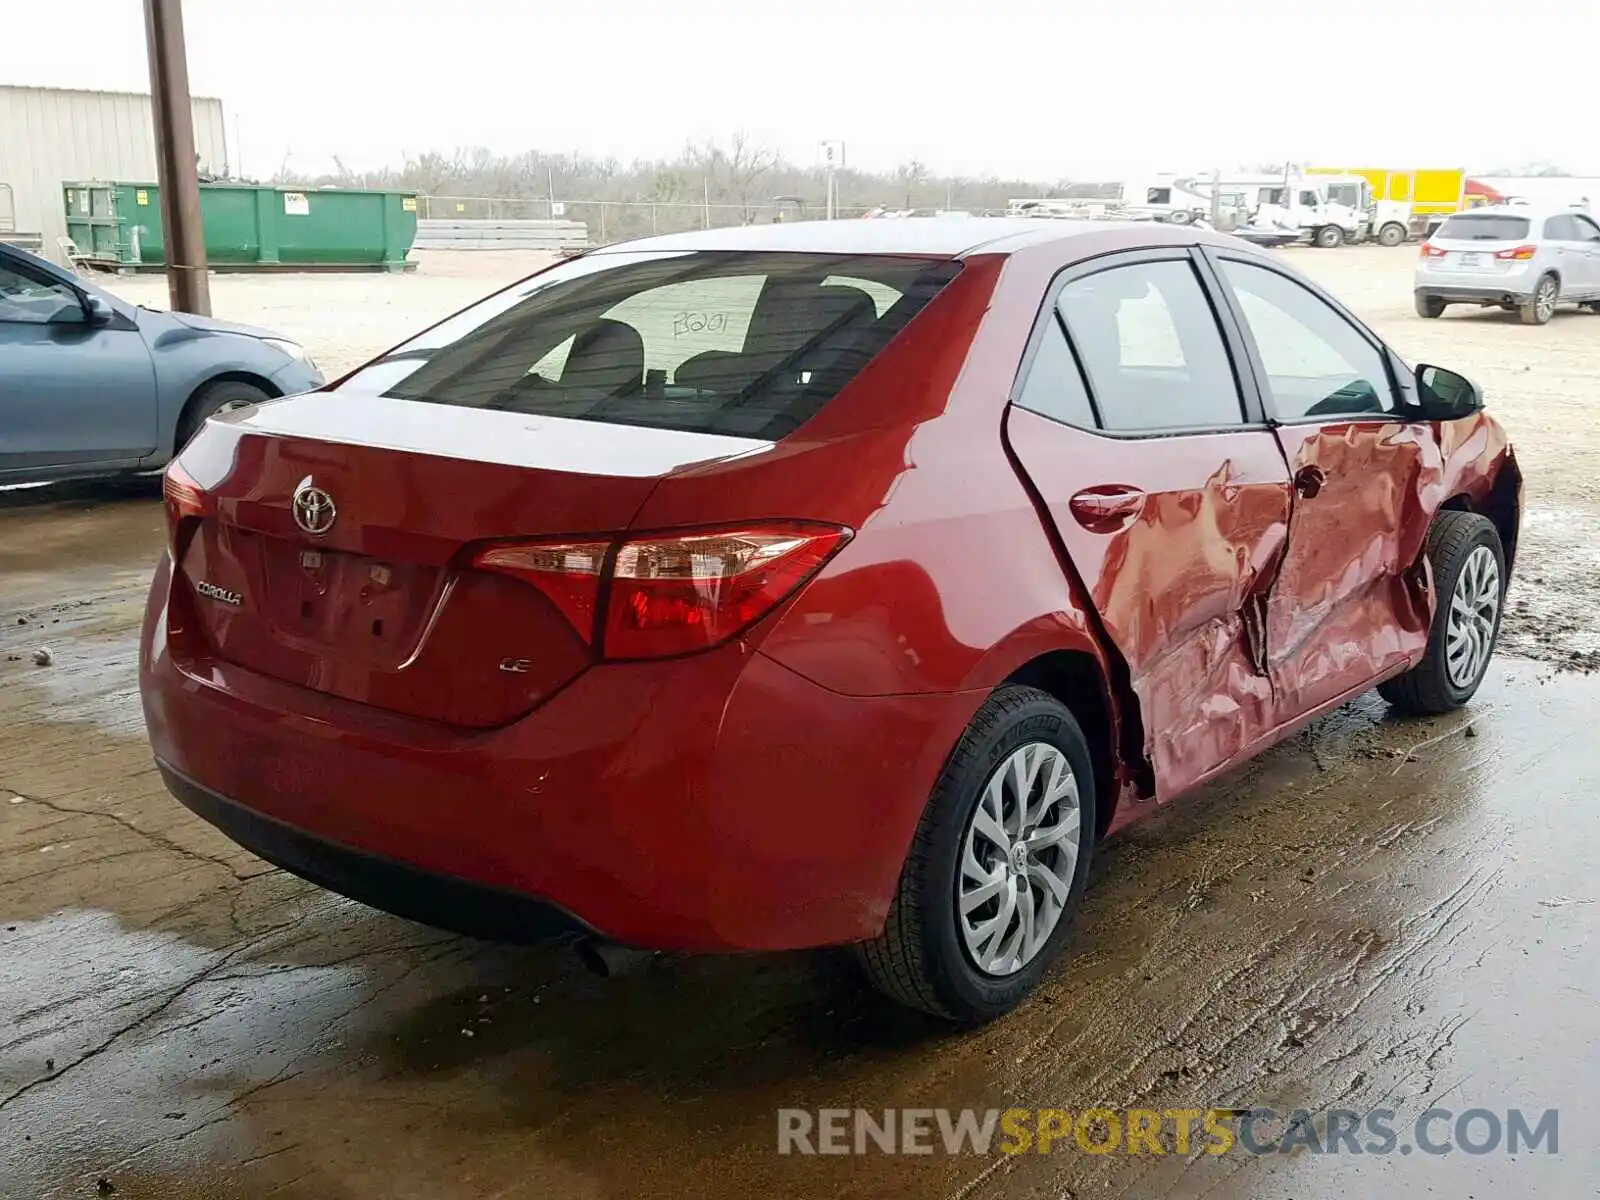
x,y
51,135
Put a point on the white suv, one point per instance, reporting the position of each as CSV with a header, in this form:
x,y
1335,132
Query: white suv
x,y
1513,256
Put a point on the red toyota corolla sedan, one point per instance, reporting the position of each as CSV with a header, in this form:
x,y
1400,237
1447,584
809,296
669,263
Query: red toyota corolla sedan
x,y
814,584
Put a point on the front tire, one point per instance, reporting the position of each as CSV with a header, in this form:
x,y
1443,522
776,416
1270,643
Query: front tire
x,y
997,867
1469,578
1542,306
1329,237
223,396
1429,306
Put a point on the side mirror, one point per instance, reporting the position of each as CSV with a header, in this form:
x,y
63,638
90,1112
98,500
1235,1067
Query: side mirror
x,y
98,309
1445,395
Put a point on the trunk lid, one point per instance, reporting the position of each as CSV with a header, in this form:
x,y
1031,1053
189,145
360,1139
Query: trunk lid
x,y
380,606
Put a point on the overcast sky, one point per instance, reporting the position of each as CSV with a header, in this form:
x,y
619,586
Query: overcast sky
x,y
1033,88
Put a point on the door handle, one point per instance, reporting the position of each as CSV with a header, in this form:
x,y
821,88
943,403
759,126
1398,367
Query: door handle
x,y
1308,481
1106,509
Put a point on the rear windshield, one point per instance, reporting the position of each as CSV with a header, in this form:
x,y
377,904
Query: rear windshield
x,y
1483,227
711,342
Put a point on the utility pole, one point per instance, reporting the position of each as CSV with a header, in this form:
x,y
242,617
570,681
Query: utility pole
x,y
187,285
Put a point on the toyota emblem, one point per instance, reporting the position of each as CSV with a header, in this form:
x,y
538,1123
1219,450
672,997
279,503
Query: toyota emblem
x,y
314,509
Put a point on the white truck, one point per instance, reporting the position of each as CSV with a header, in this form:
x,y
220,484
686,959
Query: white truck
x,y
1388,221
1322,207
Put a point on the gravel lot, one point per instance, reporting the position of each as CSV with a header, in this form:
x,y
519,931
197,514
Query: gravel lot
x,y
1377,914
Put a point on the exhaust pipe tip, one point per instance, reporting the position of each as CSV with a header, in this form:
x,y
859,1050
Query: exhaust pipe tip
x,y
608,959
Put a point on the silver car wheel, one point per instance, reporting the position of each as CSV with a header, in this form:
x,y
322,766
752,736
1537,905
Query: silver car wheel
x,y
1474,610
1018,860
233,406
1545,299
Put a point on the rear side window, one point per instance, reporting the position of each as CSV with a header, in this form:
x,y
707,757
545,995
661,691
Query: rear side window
x,y
1150,346
713,342
1054,385
1483,227
1562,229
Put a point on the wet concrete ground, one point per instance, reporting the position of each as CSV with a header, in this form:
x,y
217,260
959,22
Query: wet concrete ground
x,y
1379,914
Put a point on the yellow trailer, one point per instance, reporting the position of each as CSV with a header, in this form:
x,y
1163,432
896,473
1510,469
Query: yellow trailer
x,y
1405,198
1426,190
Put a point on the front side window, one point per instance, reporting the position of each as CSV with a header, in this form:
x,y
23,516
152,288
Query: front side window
x,y
1151,348
27,299
727,342
1588,231
1317,364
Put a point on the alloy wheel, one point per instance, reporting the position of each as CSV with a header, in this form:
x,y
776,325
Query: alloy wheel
x,y
1018,860
1474,610
1545,300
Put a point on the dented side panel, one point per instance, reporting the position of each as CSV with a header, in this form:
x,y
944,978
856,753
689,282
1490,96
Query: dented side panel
x,y
1353,600
1175,576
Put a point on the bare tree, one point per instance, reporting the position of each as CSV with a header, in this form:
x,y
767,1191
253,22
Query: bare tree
x,y
911,175
713,181
748,162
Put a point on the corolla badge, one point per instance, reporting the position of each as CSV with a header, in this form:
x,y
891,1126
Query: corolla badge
x,y
314,510
219,593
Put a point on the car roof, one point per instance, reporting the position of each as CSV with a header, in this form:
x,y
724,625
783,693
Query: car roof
x,y
1531,211
936,237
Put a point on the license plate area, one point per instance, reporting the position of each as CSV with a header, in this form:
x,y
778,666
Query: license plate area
x,y
357,608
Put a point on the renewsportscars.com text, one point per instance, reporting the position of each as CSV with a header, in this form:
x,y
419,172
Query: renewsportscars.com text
x,y
1181,1131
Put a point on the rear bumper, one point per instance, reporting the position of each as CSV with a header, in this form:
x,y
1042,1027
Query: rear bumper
x,y
716,802
1475,295
1510,288
442,901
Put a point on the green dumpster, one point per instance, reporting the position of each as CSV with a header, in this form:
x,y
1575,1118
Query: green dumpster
x,y
247,227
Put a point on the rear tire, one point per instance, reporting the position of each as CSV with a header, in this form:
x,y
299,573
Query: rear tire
x,y
217,397
1391,235
1329,237
1542,306
1457,542
1429,306
924,958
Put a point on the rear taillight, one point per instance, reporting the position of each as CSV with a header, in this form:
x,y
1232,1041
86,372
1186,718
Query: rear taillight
x,y
1429,250
1519,254
670,594
568,573
185,500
